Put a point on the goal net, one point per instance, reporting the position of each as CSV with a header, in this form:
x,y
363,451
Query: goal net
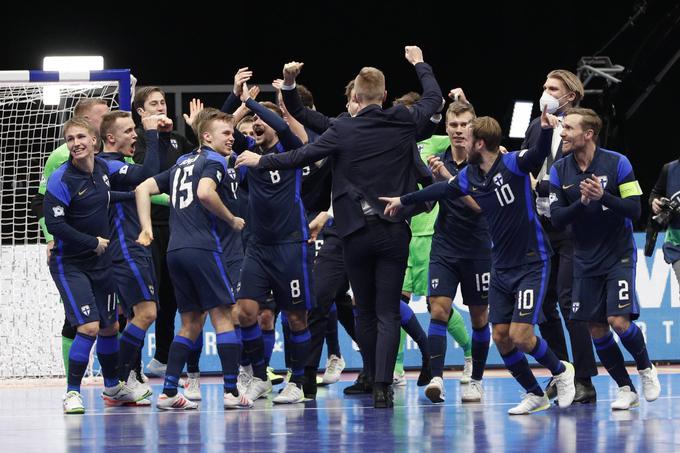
x,y
33,107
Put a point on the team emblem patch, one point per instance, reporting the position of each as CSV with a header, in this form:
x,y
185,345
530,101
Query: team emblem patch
x,y
219,176
575,306
174,144
498,179
58,211
151,290
85,309
435,283
232,173
106,180
603,181
552,197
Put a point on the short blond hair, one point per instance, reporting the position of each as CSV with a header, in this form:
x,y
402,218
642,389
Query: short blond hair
x,y
487,129
79,121
369,85
84,105
206,117
589,119
570,80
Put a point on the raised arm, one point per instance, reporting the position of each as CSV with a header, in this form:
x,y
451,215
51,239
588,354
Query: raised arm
x,y
431,100
316,121
533,158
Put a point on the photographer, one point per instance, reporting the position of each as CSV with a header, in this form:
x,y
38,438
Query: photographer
x,y
665,204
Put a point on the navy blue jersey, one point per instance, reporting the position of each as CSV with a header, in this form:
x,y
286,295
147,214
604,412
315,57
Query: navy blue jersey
x,y
504,193
191,224
230,193
123,216
459,232
76,210
603,235
275,209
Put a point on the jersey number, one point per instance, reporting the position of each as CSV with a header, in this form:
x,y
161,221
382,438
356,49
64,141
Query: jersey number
x,y
276,177
525,299
504,195
184,186
482,281
623,290
295,288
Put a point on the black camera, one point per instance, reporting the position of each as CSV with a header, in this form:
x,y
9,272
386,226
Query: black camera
x,y
660,222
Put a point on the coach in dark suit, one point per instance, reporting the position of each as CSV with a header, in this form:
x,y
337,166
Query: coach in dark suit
x,y
373,154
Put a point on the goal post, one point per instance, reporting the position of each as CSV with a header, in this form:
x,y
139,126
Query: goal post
x,y
33,107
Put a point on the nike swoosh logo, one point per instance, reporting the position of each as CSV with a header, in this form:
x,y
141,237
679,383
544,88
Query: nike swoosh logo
x,y
524,314
296,302
435,356
82,192
624,305
566,187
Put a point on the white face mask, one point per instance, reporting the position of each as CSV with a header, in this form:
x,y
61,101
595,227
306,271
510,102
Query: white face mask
x,y
550,102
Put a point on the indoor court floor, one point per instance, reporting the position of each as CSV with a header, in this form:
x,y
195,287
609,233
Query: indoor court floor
x,y
31,420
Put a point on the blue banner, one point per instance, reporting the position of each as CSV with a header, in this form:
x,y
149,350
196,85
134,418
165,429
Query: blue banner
x,y
656,288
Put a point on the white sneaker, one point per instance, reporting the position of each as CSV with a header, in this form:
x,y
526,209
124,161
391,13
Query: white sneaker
x,y
651,387
291,394
134,382
258,388
530,403
466,377
334,367
236,402
473,392
73,403
192,387
123,394
625,399
435,390
155,368
245,376
565,385
175,403
399,379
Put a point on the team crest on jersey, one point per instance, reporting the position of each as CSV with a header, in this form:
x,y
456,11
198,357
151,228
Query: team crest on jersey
x,y
575,306
174,144
85,309
232,173
435,283
498,179
603,181
106,180
58,211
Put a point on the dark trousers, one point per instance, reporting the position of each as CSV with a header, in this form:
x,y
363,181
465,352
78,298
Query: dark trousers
x,y
559,295
376,258
165,321
330,285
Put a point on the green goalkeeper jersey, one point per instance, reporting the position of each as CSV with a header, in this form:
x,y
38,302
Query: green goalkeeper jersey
x,y
423,224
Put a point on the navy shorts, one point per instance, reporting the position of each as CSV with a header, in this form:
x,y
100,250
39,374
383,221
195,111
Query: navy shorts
x,y
200,280
283,269
611,294
445,274
88,295
516,294
135,282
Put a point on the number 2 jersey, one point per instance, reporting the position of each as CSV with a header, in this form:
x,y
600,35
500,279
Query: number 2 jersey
x,y
191,224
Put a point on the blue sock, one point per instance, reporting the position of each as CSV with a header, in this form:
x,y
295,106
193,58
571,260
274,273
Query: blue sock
x,y
612,359
253,347
437,346
300,341
480,350
546,357
131,340
412,327
518,365
177,357
332,332
229,349
78,358
634,342
195,355
269,337
107,353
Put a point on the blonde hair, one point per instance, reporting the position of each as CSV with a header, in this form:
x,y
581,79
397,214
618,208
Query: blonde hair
x,y
79,121
369,85
206,117
570,80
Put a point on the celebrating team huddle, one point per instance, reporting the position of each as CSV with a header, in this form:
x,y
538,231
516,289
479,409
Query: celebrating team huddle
x,y
525,234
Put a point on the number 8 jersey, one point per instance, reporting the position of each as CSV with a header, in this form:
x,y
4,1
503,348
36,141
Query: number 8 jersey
x,y
192,225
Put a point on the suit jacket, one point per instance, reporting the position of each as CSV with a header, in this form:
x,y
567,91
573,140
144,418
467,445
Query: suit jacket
x,y
373,154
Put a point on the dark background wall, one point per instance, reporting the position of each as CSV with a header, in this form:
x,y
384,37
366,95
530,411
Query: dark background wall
x,y
496,51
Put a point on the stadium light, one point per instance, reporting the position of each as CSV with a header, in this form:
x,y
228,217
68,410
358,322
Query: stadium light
x,y
51,94
521,117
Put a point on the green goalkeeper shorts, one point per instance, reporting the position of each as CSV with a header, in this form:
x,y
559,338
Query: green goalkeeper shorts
x,y
416,280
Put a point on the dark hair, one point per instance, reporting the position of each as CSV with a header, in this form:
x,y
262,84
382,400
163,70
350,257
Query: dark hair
x,y
305,96
142,94
407,99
